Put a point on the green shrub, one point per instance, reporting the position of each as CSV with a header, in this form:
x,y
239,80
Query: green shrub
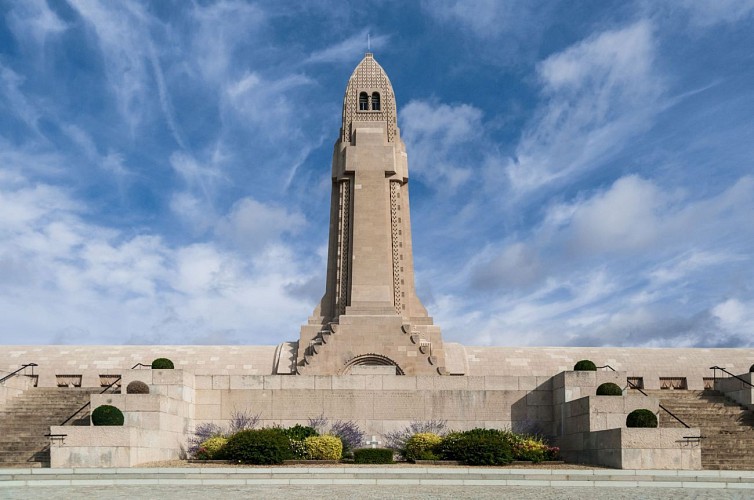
x,y
478,447
162,364
107,415
296,435
299,432
530,448
324,447
258,446
137,387
212,448
422,446
373,456
609,389
751,368
585,366
641,418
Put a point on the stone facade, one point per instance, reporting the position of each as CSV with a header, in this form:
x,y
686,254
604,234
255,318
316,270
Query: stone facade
x,y
369,314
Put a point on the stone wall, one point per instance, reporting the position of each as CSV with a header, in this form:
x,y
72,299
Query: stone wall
x,y
737,390
649,364
157,426
641,449
13,387
379,403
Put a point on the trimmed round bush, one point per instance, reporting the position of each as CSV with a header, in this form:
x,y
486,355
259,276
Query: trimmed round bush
x,y
107,415
258,447
585,366
609,389
751,368
422,446
137,387
373,456
212,448
162,364
478,447
324,447
641,418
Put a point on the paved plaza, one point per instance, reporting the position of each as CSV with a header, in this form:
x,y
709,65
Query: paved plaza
x,y
371,482
364,492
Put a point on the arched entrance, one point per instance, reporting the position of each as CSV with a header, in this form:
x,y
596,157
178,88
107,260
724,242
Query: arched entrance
x,y
370,360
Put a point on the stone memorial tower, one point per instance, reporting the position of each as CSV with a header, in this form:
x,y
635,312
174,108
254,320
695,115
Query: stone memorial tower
x,y
370,314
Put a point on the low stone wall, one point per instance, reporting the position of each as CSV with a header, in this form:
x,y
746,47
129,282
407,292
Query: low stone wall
x,y
157,426
736,390
641,449
13,387
379,403
598,413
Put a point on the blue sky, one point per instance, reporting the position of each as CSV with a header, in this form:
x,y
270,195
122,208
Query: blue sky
x,y
582,173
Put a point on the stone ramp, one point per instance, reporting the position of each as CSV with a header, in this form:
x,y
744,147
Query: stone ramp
x,y
26,419
727,427
379,475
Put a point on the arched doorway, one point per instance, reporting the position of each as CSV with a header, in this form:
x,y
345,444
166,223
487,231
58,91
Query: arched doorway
x,y
371,360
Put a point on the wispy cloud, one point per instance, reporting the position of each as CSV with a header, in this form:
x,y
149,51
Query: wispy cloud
x,y
350,49
597,95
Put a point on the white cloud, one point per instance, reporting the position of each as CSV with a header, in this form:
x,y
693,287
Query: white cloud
x,y
735,315
596,95
487,18
34,21
77,282
349,49
221,31
14,98
251,225
438,137
622,266
706,13
123,37
623,218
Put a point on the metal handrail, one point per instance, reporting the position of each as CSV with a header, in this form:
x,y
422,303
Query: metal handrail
x,y
88,403
634,386
23,367
607,366
714,374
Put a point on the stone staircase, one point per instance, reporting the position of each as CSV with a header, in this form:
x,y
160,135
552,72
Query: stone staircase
x,y
727,427
327,335
25,420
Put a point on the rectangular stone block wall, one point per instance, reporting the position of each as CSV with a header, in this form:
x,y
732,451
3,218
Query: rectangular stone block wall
x,y
13,387
737,390
380,404
157,425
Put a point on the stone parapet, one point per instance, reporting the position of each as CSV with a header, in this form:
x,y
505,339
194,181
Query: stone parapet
x,y
640,449
738,390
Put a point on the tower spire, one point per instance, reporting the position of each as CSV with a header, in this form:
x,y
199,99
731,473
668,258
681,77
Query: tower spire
x,y
370,313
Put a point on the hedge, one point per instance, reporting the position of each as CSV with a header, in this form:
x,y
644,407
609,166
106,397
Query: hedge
x,y
478,447
373,456
258,446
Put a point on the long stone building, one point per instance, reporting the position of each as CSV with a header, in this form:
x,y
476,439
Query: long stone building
x,y
369,352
